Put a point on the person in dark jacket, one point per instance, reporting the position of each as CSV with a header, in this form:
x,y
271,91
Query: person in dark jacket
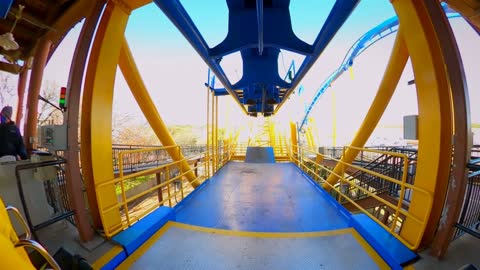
x,y
11,141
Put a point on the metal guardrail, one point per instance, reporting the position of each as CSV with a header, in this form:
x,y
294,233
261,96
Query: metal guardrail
x,y
140,160
170,183
61,209
469,221
302,157
386,165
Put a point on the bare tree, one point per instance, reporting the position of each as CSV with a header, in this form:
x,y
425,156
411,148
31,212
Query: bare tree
x,y
119,123
136,134
48,114
7,89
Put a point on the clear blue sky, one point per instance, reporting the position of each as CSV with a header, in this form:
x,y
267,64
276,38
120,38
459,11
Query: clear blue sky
x,y
175,74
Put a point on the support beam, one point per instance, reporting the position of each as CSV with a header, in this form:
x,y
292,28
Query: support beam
x,y
134,4
337,17
461,116
79,10
39,62
294,141
395,67
22,83
97,103
260,25
72,167
214,156
435,123
139,90
179,17
470,10
10,68
208,156
475,27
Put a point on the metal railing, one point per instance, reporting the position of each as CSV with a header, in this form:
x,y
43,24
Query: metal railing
x,y
168,184
469,221
386,165
303,158
56,191
143,160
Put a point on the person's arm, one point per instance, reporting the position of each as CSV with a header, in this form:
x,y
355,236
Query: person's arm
x,y
20,147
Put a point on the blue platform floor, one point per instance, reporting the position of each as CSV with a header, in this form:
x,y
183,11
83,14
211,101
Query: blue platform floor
x,y
265,216
261,198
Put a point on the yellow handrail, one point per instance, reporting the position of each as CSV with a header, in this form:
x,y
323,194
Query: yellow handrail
x,y
203,160
301,160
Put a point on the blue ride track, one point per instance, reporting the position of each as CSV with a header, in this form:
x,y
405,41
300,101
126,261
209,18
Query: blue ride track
x,y
377,33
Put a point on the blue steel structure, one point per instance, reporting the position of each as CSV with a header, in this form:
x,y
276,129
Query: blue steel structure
x,y
377,33
5,6
258,30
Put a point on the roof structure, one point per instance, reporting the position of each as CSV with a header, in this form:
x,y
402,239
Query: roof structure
x,y
30,20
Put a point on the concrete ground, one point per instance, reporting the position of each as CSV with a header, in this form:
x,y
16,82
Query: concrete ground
x,y
63,234
462,251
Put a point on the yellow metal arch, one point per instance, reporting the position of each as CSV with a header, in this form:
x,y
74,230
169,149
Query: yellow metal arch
x,y
96,138
435,122
110,50
419,38
395,67
140,92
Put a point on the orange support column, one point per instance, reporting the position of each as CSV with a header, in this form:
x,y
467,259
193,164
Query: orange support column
x,y
461,116
39,62
72,168
22,83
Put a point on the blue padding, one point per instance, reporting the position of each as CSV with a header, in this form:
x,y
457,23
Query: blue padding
x,y
133,237
325,194
5,7
190,196
260,155
116,261
391,249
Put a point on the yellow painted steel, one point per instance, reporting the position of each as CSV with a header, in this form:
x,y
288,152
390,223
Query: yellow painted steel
x,y
294,141
217,154
350,72
310,139
96,127
470,9
412,241
8,237
394,70
334,119
9,257
134,80
212,135
134,4
107,257
435,127
208,156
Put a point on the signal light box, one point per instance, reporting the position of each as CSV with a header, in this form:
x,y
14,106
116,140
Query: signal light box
x,y
62,102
